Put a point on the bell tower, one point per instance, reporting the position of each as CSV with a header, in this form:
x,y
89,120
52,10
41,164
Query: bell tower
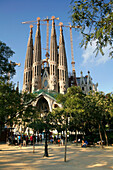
x,y
53,82
36,69
27,82
62,64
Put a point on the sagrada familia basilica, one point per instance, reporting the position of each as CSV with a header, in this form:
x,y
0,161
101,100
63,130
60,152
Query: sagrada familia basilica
x,y
49,76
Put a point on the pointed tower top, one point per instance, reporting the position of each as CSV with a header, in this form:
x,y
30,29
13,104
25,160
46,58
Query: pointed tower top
x,y
53,25
60,24
30,41
38,20
61,40
31,26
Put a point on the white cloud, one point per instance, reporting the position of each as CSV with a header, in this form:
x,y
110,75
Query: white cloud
x,y
89,57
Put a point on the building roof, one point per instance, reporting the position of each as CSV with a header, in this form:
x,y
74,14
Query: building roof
x,y
47,92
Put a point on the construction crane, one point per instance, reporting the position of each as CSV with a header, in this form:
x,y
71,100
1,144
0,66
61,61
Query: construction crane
x,y
47,32
72,54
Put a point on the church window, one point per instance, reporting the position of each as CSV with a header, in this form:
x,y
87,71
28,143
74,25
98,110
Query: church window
x,y
82,82
45,83
55,105
58,73
83,88
53,69
31,75
90,88
58,88
26,77
37,70
63,74
57,58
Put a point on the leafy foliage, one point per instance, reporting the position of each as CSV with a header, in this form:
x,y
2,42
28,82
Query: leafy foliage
x,y
10,101
5,66
96,19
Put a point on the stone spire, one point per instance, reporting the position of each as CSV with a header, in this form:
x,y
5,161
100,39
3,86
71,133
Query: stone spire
x,y
27,83
53,59
36,79
62,64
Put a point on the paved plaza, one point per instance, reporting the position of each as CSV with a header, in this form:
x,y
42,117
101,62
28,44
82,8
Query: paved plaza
x,y
91,158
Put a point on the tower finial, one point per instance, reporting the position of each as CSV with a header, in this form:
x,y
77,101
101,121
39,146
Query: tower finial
x,y
61,24
31,26
38,20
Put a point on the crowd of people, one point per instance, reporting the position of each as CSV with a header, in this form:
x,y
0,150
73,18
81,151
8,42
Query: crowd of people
x,y
57,140
24,139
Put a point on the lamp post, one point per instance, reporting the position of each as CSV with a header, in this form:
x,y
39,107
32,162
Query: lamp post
x,y
65,138
46,145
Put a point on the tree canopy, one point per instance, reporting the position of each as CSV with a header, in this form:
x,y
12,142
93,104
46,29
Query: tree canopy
x,y
6,67
13,104
96,19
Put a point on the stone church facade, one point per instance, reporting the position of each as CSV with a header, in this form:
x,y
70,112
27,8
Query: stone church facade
x,y
50,75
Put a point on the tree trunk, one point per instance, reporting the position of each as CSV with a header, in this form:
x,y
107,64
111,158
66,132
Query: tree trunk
x,y
105,135
0,128
100,136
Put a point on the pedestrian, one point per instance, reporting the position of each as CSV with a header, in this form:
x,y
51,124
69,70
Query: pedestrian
x,y
24,140
31,139
40,138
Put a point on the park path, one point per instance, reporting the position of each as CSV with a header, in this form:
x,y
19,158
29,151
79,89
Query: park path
x,y
14,157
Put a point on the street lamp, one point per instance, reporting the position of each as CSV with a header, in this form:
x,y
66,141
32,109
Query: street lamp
x,y
46,145
66,119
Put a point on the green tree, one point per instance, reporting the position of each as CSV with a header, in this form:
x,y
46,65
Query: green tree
x,y
75,104
96,112
10,100
73,107
57,119
12,103
96,19
8,96
6,67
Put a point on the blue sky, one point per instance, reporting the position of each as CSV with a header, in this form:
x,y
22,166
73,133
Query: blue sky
x,y
15,35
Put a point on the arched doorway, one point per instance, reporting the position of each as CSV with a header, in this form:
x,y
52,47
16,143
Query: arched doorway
x,y
42,105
